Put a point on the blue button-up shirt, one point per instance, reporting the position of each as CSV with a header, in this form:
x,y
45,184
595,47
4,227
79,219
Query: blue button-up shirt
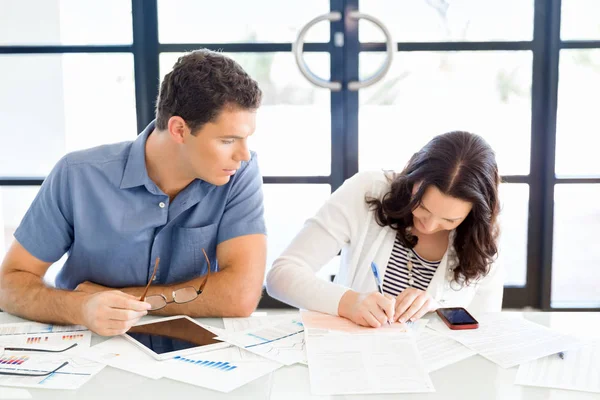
x,y
100,207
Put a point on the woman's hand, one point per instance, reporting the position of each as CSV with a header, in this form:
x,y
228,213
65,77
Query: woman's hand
x,y
369,309
412,304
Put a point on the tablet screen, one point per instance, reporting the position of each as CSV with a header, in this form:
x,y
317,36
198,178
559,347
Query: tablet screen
x,y
172,335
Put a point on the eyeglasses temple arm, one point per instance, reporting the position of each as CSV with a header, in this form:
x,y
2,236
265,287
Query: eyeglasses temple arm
x,y
143,297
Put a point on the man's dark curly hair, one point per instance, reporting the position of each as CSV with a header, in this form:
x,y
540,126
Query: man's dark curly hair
x,y
200,85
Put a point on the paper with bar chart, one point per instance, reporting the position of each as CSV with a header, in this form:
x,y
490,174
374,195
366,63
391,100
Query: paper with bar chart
x,y
52,341
74,374
282,342
24,328
30,336
214,371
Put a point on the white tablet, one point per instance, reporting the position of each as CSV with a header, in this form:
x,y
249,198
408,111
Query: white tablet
x,y
173,336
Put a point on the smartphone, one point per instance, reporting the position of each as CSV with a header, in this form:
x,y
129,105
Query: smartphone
x,y
457,318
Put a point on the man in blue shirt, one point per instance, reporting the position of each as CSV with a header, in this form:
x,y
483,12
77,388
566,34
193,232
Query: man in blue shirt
x,y
187,185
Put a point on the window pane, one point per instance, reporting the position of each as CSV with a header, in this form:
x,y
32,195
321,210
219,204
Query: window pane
x,y
14,203
429,93
580,20
512,248
294,122
65,22
442,21
576,254
287,207
577,134
53,104
229,21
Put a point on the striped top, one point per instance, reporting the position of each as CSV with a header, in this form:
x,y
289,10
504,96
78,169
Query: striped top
x,y
396,274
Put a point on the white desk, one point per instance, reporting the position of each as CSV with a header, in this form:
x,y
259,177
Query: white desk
x,y
473,378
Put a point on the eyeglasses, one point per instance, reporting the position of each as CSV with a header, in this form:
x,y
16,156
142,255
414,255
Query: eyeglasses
x,y
4,349
180,296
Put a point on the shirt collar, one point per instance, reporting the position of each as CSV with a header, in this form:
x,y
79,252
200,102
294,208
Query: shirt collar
x,y
135,173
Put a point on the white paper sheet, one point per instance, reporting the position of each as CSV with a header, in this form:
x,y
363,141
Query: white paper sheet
x,y
51,340
508,340
76,373
12,393
119,353
242,324
212,370
579,370
282,342
32,335
316,320
439,351
21,328
342,363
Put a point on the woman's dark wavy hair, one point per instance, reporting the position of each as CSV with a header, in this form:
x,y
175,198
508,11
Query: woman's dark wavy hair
x,y
461,165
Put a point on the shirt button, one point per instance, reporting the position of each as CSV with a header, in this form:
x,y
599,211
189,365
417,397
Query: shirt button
x,y
161,204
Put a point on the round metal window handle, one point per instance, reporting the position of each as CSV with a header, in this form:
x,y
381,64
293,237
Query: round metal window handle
x,y
298,46
380,74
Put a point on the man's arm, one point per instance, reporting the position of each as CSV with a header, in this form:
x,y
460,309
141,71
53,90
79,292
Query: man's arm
x,y
23,293
234,291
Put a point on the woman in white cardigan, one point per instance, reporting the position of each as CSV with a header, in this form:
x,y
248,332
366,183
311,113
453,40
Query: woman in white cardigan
x,y
442,207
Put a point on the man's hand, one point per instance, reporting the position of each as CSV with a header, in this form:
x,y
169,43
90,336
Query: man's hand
x,y
110,313
370,309
412,304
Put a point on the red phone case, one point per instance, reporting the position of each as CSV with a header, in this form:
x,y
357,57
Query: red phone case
x,y
457,327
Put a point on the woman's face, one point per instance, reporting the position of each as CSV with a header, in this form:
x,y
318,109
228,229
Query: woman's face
x,y
438,212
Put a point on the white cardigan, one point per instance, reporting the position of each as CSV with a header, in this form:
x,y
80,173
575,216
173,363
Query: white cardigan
x,y
346,222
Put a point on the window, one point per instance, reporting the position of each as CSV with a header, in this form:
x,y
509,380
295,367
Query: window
x,y
79,74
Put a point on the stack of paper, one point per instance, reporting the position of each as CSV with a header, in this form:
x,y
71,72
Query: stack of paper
x,y
316,320
119,353
578,370
32,335
346,359
508,340
282,341
214,371
439,351
233,325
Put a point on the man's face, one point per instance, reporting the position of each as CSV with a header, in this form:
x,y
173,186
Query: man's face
x,y
216,151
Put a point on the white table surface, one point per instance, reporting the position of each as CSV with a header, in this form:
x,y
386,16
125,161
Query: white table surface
x,y
473,378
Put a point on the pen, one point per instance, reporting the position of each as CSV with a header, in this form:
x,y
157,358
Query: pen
x,y
377,281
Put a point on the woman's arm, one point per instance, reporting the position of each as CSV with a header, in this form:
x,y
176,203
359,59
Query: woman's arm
x,y
292,278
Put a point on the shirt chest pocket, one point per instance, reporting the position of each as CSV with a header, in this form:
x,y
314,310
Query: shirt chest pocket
x,y
187,259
